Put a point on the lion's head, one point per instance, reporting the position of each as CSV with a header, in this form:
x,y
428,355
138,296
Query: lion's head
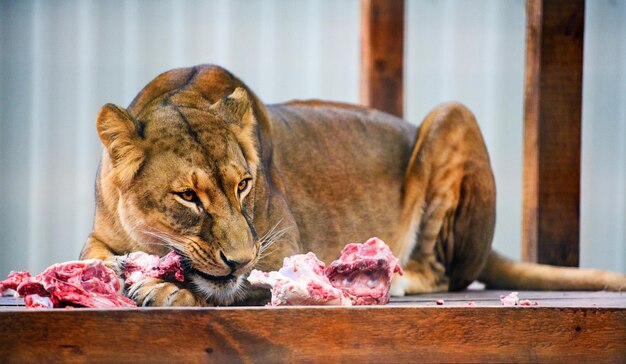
x,y
184,163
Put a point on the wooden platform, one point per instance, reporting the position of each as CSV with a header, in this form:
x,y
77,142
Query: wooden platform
x,y
565,327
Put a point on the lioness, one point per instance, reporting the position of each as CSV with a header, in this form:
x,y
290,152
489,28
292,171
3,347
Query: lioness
x,y
198,165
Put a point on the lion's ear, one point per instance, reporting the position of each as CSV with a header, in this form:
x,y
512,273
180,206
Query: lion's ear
x,y
237,107
239,117
120,135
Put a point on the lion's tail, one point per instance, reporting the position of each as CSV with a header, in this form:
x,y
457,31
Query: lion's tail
x,y
503,273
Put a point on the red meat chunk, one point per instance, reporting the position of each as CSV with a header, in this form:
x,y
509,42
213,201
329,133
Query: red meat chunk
x,y
86,283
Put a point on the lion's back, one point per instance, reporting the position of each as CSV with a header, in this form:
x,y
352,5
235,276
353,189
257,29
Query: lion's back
x,y
340,163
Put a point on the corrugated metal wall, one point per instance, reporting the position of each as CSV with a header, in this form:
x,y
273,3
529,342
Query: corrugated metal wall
x,y
61,60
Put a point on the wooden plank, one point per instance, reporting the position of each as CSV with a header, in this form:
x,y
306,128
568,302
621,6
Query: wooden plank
x,y
382,55
320,334
600,299
491,298
553,97
482,298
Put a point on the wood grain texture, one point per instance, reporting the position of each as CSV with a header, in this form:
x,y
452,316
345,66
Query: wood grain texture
x,y
315,334
382,55
552,139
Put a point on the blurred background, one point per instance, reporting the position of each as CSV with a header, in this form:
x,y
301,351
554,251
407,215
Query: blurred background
x,y
60,61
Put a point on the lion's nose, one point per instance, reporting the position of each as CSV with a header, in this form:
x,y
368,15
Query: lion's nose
x,y
234,264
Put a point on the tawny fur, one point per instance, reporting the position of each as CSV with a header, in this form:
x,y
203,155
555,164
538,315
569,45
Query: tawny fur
x,y
273,181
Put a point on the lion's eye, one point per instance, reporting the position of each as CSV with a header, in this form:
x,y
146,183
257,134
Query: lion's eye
x,y
188,195
242,185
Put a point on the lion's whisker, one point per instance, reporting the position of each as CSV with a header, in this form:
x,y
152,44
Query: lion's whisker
x,y
168,241
272,234
272,238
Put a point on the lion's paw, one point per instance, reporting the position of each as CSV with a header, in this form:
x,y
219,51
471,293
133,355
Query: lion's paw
x,y
156,292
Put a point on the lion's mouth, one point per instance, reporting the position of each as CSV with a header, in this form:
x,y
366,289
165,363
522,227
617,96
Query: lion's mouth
x,y
208,277
189,270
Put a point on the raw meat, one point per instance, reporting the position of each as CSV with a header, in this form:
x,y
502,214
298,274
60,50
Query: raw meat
x,y
301,281
364,272
528,303
140,265
8,287
85,283
510,299
361,276
88,283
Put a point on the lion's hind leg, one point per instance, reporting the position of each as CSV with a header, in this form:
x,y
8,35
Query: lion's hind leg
x,y
449,198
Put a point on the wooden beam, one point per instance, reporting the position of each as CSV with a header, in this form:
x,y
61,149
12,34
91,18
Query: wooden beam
x,y
552,127
315,334
382,55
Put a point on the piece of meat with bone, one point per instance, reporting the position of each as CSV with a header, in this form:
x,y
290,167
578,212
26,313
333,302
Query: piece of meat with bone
x,y
84,283
361,276
301,281
140,265
364,272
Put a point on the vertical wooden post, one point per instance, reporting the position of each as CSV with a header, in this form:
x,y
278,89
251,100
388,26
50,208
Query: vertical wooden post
x,y
382,55
553,98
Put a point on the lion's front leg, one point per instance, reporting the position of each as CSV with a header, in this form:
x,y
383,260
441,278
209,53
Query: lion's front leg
x,y
157,292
